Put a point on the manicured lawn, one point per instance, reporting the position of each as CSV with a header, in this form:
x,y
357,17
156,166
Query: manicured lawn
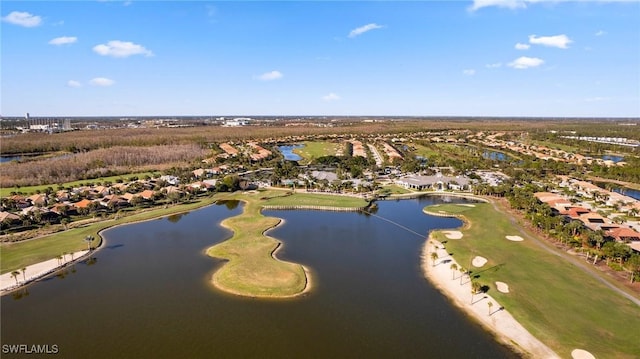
x,y
20,254
4,192
424,151
251,270
556,301
315,149
311,199
395,189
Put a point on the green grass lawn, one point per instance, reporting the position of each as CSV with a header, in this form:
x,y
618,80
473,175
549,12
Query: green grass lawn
x,y
424,151
312,199
395,189
556,301
251,270
4,192
315,149
20,254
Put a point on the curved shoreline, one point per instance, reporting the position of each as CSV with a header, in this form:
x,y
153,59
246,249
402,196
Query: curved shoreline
x,y
103,240
279,245
499,322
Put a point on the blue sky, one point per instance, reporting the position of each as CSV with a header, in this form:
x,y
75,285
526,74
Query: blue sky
x,y
416,58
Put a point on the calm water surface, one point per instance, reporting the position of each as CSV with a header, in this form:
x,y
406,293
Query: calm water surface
x,y
287,152
147,295
494,155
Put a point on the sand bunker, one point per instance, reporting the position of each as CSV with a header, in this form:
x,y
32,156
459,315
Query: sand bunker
x,y
467,204
502,287
515,238
453,234
479,261
581,354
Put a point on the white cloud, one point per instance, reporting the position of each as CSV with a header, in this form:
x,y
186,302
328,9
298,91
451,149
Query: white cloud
x,y
520,46
23,19
469,72
270,76
330,97
63,40
559,41
116,48
362,29
511,4
522,4
101,81
526,62
74,83
493,66
601,32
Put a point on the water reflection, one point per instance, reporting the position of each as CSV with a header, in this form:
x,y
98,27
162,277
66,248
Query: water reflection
x,y
152,298
287,152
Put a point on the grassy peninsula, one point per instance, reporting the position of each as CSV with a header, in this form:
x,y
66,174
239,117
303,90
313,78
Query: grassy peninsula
x,y
253,268
553,297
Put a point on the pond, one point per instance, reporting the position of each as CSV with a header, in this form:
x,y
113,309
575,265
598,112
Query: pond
x,y
633,193
4,159
147,294
613,158
287,152
496,156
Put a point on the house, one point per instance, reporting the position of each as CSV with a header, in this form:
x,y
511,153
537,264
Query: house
x,y
147,194
622,234
9,218
437,182
575,212
83,204
172,180
113,201
37,200
228,149
64,209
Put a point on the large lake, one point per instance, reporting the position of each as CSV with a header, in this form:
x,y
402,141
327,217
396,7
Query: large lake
x,y
148,294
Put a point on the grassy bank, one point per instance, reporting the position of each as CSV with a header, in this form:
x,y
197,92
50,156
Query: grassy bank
x,y
252,270
556,301
316,149
20,254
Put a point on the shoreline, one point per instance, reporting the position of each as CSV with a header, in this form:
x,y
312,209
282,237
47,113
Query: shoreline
x,y
53,268
498,322
216,283
42,270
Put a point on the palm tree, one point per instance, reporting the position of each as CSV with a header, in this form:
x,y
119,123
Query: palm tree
x,y
24,277
434,257
475,288
490,304
88,239
59,258
454,268
15,275
462,272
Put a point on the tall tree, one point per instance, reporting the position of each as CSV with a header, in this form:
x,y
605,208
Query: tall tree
x,y
15,275
454,268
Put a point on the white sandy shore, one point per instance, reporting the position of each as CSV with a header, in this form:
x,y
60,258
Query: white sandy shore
x,y
36,271
500,322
